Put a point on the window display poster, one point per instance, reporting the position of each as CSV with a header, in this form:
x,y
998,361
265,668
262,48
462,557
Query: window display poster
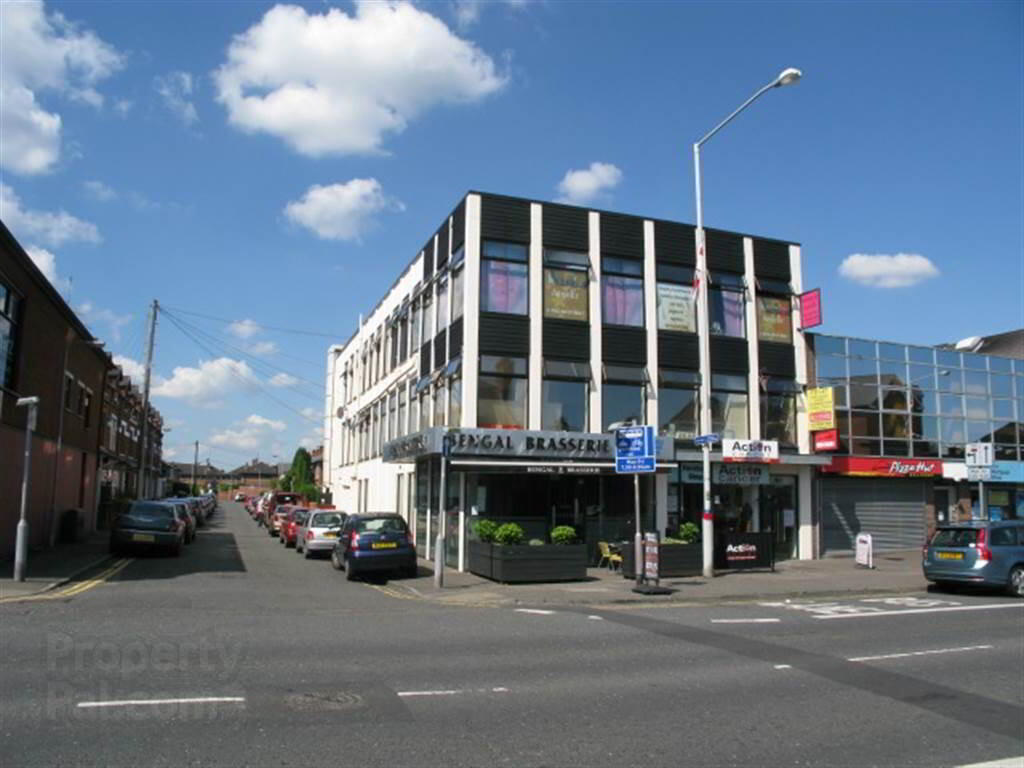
x,y
565,294
821,413
773,320
677,308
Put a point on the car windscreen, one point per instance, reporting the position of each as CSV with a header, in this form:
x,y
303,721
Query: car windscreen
x,y
325,520
151,511
955,537
287,498
380,525
301,515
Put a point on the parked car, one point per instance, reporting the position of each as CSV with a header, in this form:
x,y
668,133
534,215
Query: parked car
x,y
374,543
189,515
240,497
290,525
983,552
319,533
276,517
261,508
149,524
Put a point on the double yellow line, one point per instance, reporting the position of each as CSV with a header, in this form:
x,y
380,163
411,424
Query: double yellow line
x,y
76,588
392,592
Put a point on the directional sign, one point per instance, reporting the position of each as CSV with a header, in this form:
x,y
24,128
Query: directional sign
x,y
634,449
979,474
978,455
709,439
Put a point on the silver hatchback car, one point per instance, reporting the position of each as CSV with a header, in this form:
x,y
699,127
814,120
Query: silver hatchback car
x,y
984,552
319,533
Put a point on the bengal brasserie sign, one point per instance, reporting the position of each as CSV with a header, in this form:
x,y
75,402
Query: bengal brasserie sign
x,y
511,444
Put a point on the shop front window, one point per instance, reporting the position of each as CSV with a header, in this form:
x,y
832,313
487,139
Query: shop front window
x,y
622,292
501,392
726,300
504,278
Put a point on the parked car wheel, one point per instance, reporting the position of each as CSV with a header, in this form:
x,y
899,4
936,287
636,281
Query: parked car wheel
x,y
307,554
350,571
335,561
1015,584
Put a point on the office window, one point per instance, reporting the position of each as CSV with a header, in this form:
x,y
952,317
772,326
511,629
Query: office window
x,y
458,292
501,392
774,319
677,300
504,273
414,327
565,405
778,410
403,338
455,402
726,299
428,318
86,406
567,285
69,392
425,408
400,427
829,345
440,403
8,334
678,404
622,291
442,305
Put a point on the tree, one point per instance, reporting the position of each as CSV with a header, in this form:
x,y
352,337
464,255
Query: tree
x,y
302,468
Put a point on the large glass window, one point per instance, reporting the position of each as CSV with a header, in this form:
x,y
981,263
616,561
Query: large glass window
x,y
501,392
442,305
778,411
622,291
400,427
414,327
726,299
729,406
458,292
8,334
428,319
565,405
504,272
455,402
678,411
677,299
774,319
440,403
566,285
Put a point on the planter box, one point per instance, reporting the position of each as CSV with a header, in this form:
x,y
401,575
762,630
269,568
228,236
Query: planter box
x,y
525,564
675,560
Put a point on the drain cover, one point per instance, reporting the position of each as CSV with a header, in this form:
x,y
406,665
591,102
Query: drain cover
x,y
325,702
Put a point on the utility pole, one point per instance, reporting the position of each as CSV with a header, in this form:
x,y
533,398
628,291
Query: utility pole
x,y
145,399
21,542
195,462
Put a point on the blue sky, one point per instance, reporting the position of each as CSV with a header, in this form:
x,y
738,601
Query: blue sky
x,y
280,164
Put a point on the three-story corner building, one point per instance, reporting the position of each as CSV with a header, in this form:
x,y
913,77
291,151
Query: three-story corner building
x,y
527,331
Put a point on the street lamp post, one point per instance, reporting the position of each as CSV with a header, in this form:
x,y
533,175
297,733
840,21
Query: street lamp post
x,y
786,77
21,542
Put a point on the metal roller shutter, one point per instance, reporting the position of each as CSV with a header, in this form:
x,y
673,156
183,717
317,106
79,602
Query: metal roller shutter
x,y
892,511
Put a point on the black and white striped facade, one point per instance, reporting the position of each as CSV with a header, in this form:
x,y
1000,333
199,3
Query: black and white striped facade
x,y
418,358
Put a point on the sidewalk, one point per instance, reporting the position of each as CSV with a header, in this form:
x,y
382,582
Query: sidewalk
x,y
894,572
50,568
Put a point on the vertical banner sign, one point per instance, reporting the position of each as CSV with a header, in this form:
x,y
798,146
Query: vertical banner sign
x,y
810,309
821,414
651,554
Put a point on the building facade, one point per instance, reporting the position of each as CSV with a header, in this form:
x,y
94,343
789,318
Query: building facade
x,y
525,332
904,415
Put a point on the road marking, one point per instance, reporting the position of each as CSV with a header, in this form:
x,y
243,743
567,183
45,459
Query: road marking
x,y
992,607
783,666
908,654
75,588
1006,762
535,611
596,618
745,621
392,592
452,692
154,702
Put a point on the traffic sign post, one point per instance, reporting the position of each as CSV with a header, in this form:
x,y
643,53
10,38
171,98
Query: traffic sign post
x,y
979,457
635,453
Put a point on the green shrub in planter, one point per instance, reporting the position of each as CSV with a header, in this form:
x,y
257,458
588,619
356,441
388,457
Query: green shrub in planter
x,y
509,533
563,534
485,530
689,533
536,542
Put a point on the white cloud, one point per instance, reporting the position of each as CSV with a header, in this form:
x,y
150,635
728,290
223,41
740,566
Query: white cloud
x,y
332,83
53,228
256,420
44,53
311,413
47,263
282,380
168,453
583,186
881,270
206,385
244,329
341,211
123,107
135,370
93,316
262,348
99,191
175,88
467,12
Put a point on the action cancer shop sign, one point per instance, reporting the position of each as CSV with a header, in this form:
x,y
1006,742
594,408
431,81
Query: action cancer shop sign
x,y
864,467
821,411
739,474
756,451
677,308
748,550
565,294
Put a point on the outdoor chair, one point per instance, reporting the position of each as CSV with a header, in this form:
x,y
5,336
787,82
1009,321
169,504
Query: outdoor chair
x,y
609,558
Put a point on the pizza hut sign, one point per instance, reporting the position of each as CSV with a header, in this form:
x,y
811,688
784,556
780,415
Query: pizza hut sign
x,y
867,467
757,451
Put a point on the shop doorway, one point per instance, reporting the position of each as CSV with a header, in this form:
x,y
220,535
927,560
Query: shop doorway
x,y
945,503
777,515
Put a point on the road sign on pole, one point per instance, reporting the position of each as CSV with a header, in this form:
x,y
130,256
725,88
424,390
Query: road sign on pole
x,y
978,455
708,439
634,449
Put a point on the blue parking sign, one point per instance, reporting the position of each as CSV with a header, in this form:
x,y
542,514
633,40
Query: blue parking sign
x,y
635,449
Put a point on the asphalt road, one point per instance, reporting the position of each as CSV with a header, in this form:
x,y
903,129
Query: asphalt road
x,y
263,658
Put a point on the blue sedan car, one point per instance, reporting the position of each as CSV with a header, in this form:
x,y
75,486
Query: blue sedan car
x,y
374,543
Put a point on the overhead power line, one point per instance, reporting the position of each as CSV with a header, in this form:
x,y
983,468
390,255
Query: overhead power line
x,y
297,331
